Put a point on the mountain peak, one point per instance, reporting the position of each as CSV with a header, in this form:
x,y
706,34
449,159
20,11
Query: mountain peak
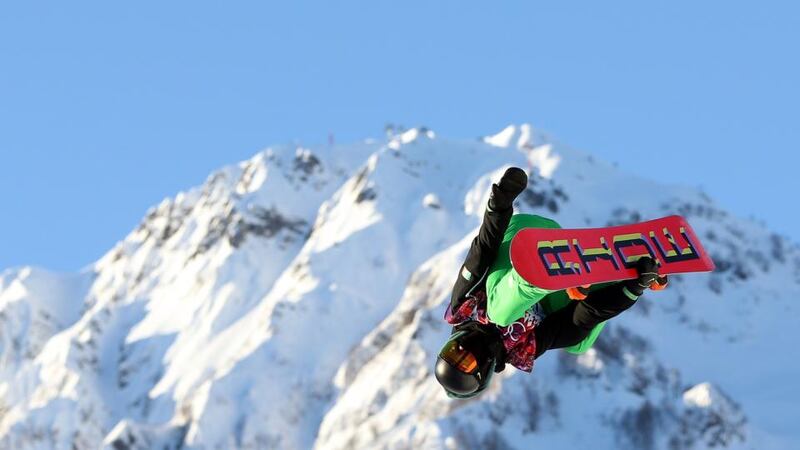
x,y
304,289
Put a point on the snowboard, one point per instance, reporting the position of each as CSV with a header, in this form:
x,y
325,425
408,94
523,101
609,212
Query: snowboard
x,y
558,258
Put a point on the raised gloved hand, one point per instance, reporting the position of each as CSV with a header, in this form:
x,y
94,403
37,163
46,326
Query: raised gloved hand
x,y
647,268
511,184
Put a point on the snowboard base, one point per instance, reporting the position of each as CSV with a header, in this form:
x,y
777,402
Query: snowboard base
x,y
558,258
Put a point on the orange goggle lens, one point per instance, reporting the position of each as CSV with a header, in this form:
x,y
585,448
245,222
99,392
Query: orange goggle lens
x,y
462,359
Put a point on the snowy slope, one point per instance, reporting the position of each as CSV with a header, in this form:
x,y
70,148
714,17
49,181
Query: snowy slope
x,y
295,299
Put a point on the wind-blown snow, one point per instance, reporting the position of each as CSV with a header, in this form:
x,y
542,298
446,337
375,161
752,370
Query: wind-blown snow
x,y
294,300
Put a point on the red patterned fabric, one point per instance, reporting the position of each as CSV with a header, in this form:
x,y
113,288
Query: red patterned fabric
x,y
518,337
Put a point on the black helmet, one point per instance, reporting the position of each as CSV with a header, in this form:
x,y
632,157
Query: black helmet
x,y
468,359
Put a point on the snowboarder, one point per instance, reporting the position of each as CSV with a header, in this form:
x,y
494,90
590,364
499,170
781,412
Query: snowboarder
x,y
500,318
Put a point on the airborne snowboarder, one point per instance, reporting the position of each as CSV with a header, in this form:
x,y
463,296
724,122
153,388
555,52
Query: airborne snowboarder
x,y
500,318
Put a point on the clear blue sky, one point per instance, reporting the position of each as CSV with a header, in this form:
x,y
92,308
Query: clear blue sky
x,y
108,107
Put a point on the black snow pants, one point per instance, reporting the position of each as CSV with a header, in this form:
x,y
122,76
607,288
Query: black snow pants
x,y
563,328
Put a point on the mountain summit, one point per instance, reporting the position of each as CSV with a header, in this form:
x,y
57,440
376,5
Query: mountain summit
x,y
295,301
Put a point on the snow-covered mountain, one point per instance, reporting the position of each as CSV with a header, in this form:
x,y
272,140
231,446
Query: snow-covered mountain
x,y
295,301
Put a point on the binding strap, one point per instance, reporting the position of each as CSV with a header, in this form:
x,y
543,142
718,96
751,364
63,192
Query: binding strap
x,y
660,283
579,292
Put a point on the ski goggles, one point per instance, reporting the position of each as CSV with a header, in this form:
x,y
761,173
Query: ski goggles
x,y
459,357
469,372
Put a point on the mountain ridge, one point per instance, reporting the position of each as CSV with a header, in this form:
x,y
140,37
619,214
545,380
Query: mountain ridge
x,y
258,310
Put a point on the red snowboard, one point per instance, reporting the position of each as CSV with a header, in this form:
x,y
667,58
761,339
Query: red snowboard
x,y
562,258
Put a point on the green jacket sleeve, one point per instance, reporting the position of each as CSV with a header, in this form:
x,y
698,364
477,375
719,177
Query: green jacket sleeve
x,y
511,286
508,295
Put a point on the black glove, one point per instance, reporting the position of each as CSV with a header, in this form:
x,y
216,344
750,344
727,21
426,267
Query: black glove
x,y
647,268
511,184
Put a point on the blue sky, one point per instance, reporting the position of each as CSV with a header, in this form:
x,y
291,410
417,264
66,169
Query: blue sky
x,y
105,108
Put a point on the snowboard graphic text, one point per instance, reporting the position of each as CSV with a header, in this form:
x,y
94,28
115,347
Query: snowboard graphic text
x,y
550,252
561,258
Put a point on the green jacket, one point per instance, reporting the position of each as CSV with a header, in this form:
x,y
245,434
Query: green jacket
x,y
509,296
